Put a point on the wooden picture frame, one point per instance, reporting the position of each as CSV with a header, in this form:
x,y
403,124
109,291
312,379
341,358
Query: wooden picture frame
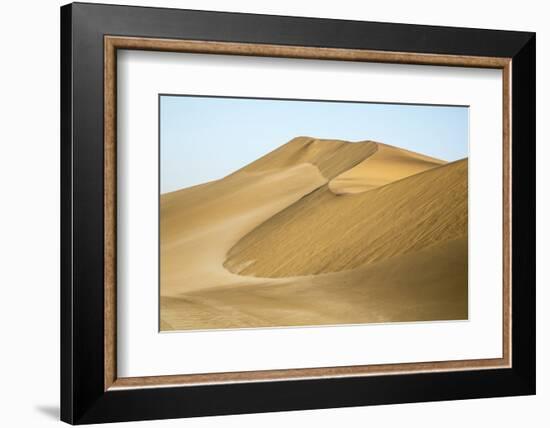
x,y
91,390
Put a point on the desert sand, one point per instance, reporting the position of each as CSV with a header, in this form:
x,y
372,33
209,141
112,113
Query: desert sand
x,y
318,232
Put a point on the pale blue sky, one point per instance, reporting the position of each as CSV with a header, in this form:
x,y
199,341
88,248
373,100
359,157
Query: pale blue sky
x,y
206,138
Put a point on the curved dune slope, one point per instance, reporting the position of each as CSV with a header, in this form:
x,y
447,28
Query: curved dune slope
x,y
388,164
431,284
323,232
198,225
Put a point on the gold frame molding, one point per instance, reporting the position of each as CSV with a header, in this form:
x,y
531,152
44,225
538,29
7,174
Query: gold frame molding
x,y
113,43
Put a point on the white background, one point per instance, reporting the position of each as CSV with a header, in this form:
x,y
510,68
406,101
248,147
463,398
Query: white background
x,y
29,218
144,352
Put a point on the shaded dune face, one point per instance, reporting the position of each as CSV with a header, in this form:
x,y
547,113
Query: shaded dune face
x,y
323,232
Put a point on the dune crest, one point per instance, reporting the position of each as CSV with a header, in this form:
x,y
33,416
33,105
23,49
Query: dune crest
x,y
386,165
332,157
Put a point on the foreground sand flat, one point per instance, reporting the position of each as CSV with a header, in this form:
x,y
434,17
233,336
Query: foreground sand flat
x,y
318,232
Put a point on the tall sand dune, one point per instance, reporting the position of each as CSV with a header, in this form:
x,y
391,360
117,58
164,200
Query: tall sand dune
x,y
323,232
198,225
307,235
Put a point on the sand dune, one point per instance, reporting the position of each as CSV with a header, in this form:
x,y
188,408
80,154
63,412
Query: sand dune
x,y
327,233
309,235
198,225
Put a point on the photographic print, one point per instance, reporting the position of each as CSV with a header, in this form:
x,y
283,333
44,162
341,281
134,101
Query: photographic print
x,y
234,202
282,212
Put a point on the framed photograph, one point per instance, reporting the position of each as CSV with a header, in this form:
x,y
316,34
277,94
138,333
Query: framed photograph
x,y
265,213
